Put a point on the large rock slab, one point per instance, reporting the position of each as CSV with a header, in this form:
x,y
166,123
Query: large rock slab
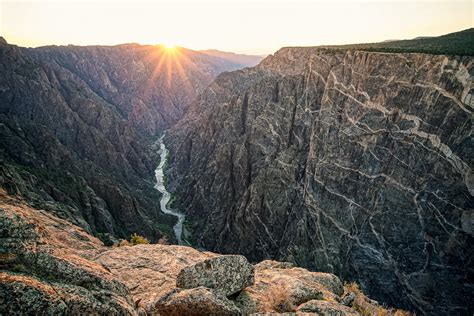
x,y
149,271
49,266
226,274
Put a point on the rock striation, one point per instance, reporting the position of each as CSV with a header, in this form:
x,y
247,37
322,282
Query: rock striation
x,y
50,266
355,163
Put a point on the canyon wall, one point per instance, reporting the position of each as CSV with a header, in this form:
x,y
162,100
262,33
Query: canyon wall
x,y
356,163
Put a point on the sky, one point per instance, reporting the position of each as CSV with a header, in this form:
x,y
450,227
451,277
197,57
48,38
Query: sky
x,y
245,26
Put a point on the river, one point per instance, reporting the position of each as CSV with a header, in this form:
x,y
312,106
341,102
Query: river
x,y
165,195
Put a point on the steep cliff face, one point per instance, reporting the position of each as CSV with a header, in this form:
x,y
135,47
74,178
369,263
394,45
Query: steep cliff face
x,y
356,163
76,124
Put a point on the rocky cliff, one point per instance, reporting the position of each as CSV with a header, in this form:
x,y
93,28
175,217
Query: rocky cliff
x,y
50,267
76,125
355,163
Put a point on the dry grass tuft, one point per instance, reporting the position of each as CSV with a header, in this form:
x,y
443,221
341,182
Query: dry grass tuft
x,y
368,307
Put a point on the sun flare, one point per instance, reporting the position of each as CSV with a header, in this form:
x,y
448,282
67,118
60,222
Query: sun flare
x,y
169,46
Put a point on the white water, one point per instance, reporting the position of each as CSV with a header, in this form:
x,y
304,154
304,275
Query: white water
x,y
166,196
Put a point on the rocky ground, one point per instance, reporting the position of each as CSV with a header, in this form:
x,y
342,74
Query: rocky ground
x,y
50,266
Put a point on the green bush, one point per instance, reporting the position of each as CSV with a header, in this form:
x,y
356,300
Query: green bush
x,y
138,240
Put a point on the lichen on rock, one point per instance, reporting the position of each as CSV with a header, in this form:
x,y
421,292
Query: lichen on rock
x,y
225,274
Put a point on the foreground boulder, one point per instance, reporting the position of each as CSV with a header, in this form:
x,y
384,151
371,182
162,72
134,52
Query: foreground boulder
x,y
226,274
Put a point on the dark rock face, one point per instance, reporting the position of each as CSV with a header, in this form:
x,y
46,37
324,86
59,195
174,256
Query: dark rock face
x,y
76,124
355,163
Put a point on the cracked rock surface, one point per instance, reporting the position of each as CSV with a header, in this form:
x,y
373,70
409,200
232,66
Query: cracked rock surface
x,y
355,163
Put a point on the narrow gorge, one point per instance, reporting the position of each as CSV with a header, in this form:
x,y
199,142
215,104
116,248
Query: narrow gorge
x,y
77,126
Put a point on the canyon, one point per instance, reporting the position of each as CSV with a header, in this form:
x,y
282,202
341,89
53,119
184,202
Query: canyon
x,y
353,161
77,125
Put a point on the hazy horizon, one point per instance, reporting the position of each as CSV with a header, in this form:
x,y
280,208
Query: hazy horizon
x,y
246,27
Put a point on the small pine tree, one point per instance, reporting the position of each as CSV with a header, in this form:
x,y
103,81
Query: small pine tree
x,y
136,239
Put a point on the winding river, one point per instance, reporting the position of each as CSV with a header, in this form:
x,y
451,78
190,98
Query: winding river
x,y
165,195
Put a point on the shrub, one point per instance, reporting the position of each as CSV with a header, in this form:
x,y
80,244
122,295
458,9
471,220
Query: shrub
x,y
136,239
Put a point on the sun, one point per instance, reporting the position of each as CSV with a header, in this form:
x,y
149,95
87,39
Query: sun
x,y
169,45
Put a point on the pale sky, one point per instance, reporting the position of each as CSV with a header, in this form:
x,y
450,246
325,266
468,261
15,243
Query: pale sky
x,y
245,26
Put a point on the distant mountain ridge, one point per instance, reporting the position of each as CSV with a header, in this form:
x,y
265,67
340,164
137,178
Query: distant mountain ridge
x,y
241,59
